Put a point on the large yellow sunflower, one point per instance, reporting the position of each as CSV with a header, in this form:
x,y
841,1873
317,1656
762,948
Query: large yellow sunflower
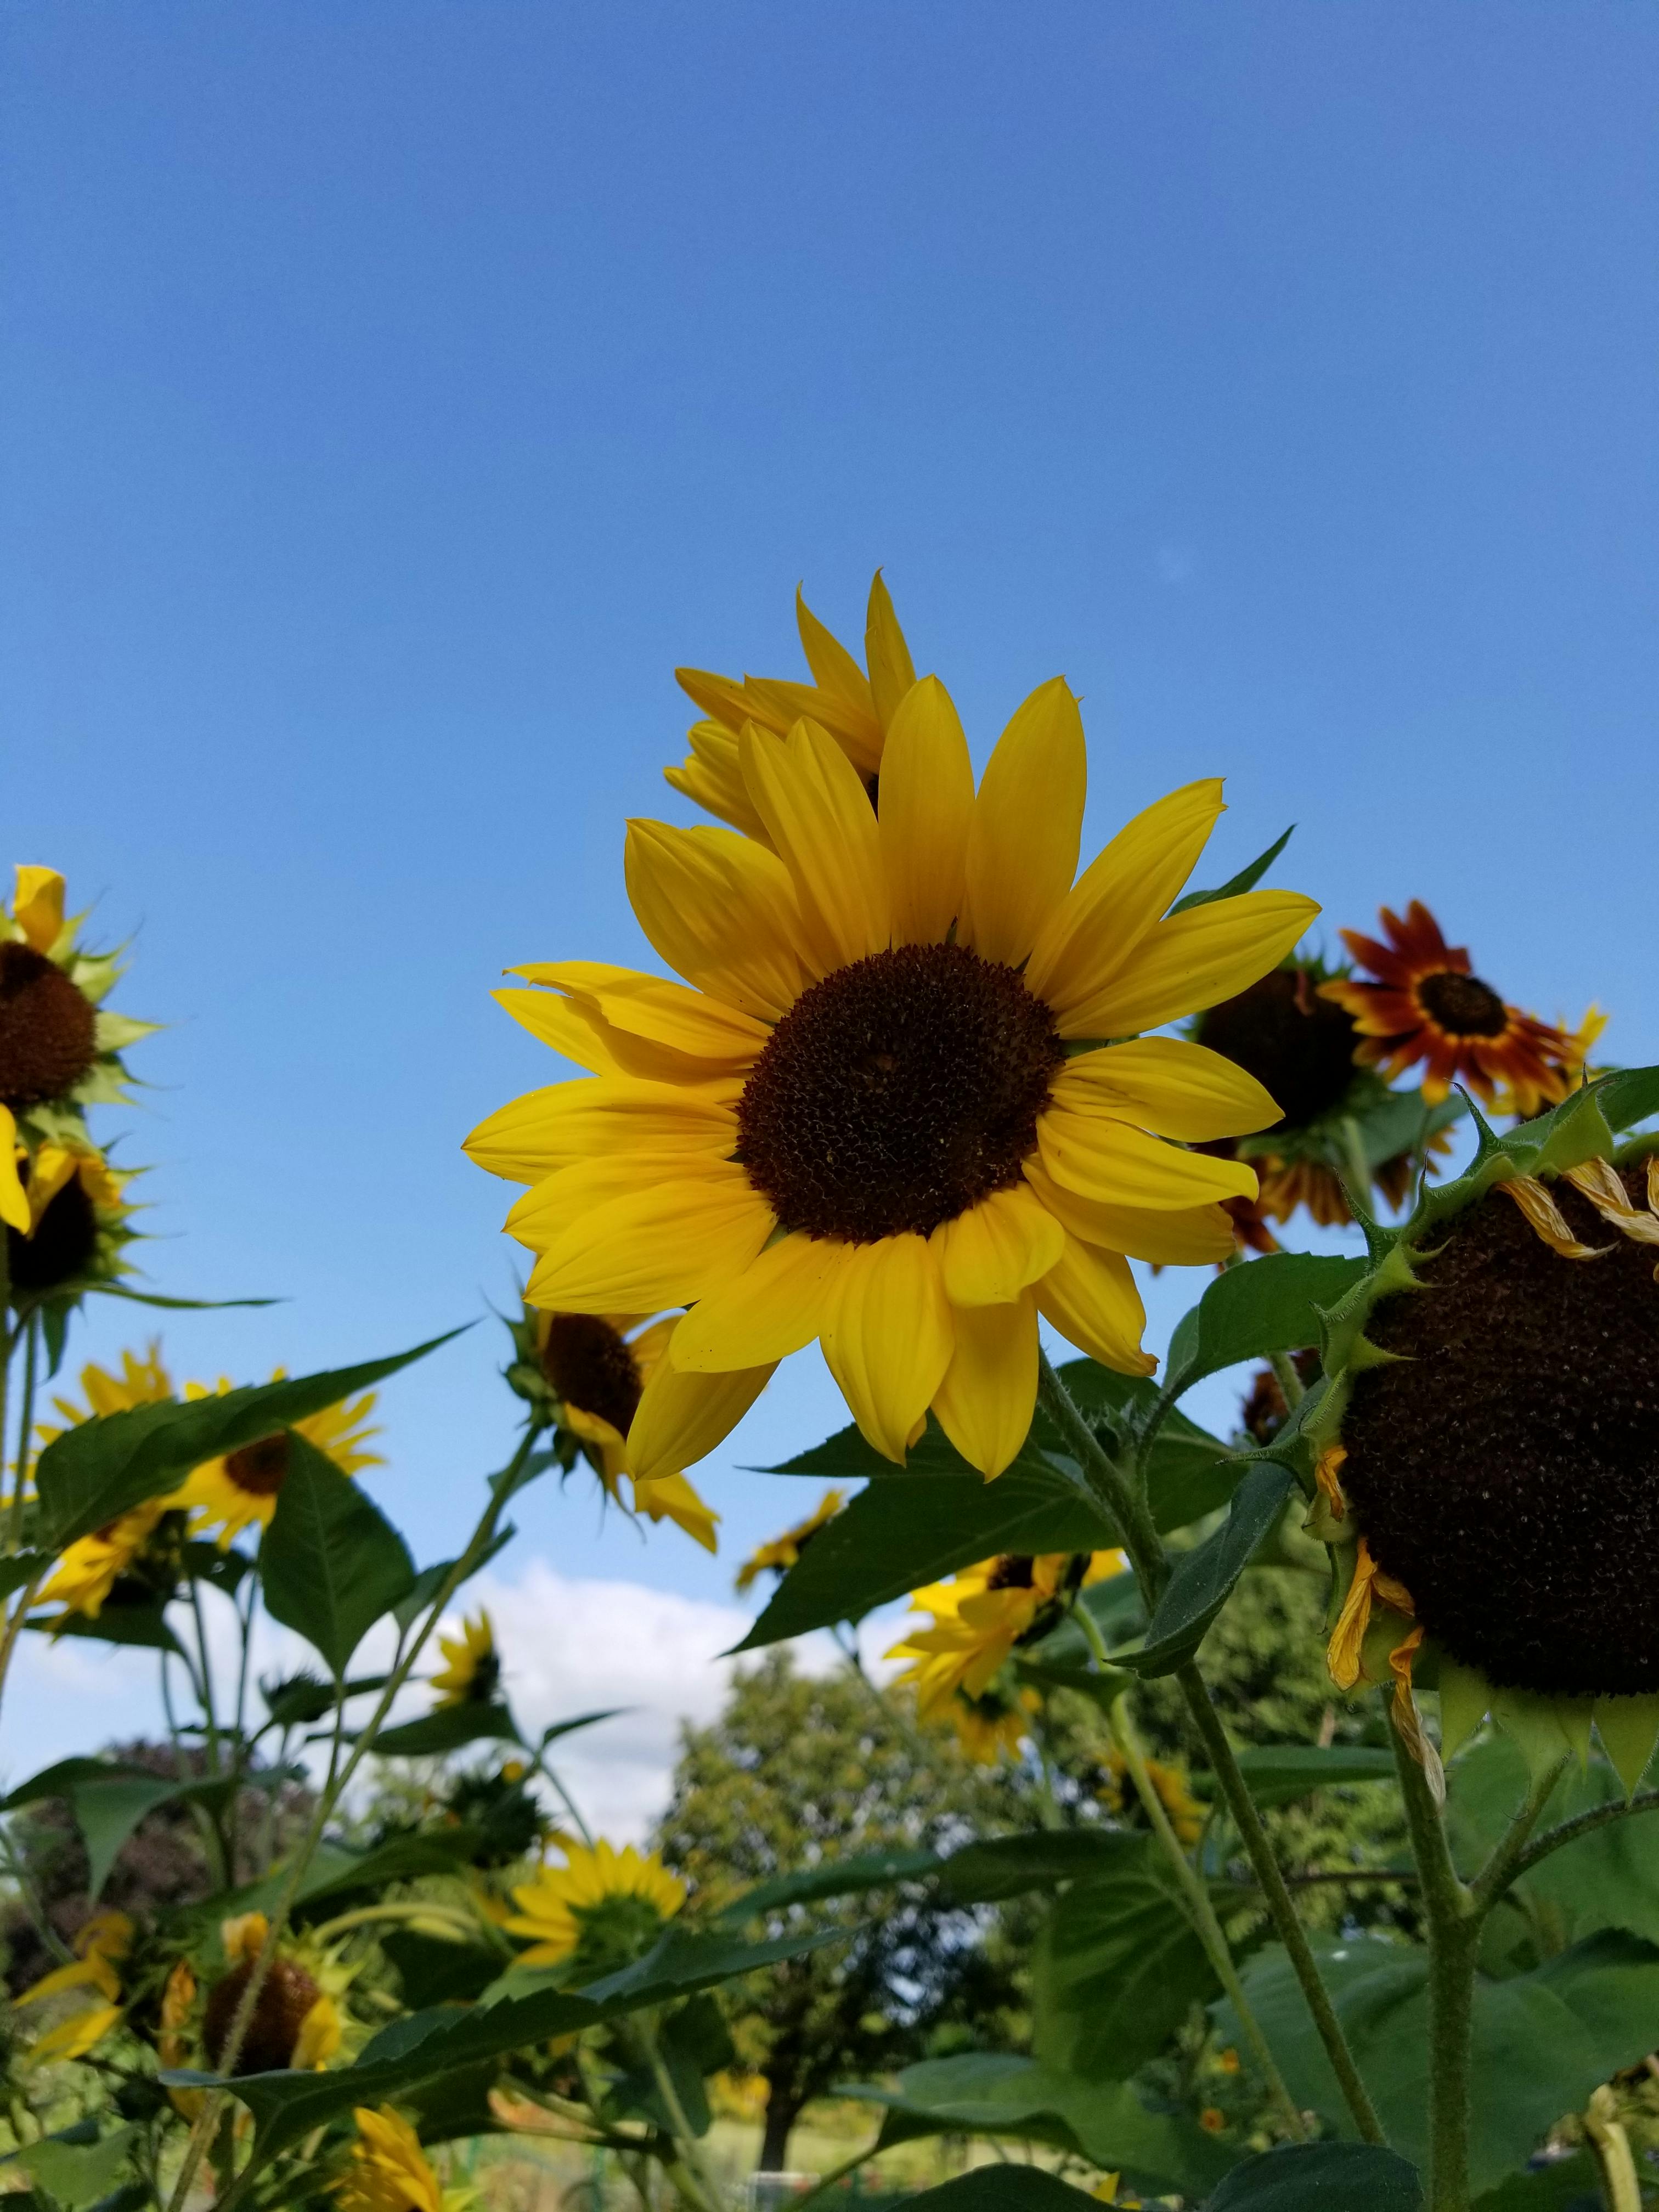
x,y
900,1104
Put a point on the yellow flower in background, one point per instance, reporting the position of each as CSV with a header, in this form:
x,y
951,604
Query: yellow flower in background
x,y
781,1554
296,2022
390,2172
241,1487
981,1614
75,1217
89,1569
100,1946
599,1373
58,1043
855,705
554,1907
992,1726
472,1672
1187,1816
142,1382
883,1115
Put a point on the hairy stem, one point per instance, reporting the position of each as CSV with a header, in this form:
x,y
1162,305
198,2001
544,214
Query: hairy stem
x,y
1454,1930
1569,1832
25,1428
1500,1870
1290,1382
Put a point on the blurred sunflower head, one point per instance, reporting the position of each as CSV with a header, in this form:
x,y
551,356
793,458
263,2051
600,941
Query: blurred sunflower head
x,y
994,1725
240,1489
599,1909
781,1554
1186,1815
297,2020
983,1614
1422,1003
74,1222
59,1045
93,1977
389,2173
1488,1467
471,1673
883,1111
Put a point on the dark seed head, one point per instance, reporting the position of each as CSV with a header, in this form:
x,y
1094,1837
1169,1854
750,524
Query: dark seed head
x,y
261,1468
288,1995
61,1249
1012,1571
1299,1046
591,1367
1462,1005
48,1037
897,1092
1506,1466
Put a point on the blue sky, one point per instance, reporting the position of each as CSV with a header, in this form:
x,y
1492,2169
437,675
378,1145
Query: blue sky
x,y
390,396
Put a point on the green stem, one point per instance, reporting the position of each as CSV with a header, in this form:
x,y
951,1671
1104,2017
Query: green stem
x,y
24,1430
339,1778
1290,1382
1569,1832
1501,1868
1454,1930
538,1760
1610,2144
1151,1563
7,1340
826,2182
209,1714
708,2195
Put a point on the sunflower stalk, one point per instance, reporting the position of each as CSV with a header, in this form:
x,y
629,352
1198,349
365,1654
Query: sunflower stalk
x,y
1126,1507
688,2171
25,1429
1453,1917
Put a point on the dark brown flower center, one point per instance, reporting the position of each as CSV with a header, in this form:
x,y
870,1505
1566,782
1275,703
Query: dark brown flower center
x,y
592,1368
259,1469
1505,1466
64,1240
1012,1571
1299,1046
48,1037
897,1092
279,2011
1462,1005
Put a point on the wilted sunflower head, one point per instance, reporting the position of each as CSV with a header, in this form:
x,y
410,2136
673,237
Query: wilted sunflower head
x,y
601,1909
1490,1450
59,1046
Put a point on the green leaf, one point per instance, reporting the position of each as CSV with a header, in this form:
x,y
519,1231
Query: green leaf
x,y
1118,1968
332,1563
1565,2184
1542,2040
1012,1866
145,1625
1270,1304
554,1729
1102,1688
1629,1096
76,2169
177,1305
1323,2177
695,2042
448,1728
430,1580
1204,1579
1282,1773
834,1878
20,1568
434,1972
1245,880
303,1697
1002,2189
686,1960
106,1813
93,1472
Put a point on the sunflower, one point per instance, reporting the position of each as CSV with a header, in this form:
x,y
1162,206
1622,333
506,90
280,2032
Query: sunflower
x,y
241,1487
993,1725
1186,1815
1422,1002
74,1220
597,1372
296,2022
606,1905
100,1946
982,1614
59,1046
390,2172
882,1116
855,705
472,1675
781,1554
91,1566
1486,1466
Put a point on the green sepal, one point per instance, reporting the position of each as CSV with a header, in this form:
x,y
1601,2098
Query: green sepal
x,y
1465,1698
1544,1728
1629,1729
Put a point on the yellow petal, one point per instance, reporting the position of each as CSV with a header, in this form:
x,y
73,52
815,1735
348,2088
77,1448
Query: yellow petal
x,y
729,702
548,1207
1027,825
721,911
891,671
650,1346
926,804
1166,1085
833,667
566,1027
14,1198
988,1254
984,1404
1091,1299
1192,961
672,1498
1120,895
1174,1237
809,795
547,1130
1106,1159
710,778
774,1307
889,1340
688,1022
681,1417
37,907
857,733
660,1247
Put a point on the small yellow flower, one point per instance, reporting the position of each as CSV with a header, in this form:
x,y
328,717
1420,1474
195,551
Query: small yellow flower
x,y
390,2172
1186,1815
980,1615
472,1675
781,1554
59,1046
100,1944
240,1488
554,1906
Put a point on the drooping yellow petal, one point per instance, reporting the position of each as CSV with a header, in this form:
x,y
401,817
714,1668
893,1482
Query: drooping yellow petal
x,y
37,907
548,1207
564,1026
1172,1237
1191,960
672,1498
774,1307
547,1130
721,911
1120,895
1091,1299
809,795
889,1339
891,670
926,805
710,778
682,1417
1027,825
987,1255
984,1404
1106,1159
833,667
659,1248
650,1006
14,1198
1170,1086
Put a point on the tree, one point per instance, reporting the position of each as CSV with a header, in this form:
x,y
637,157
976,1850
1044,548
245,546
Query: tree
x,y
802,1768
